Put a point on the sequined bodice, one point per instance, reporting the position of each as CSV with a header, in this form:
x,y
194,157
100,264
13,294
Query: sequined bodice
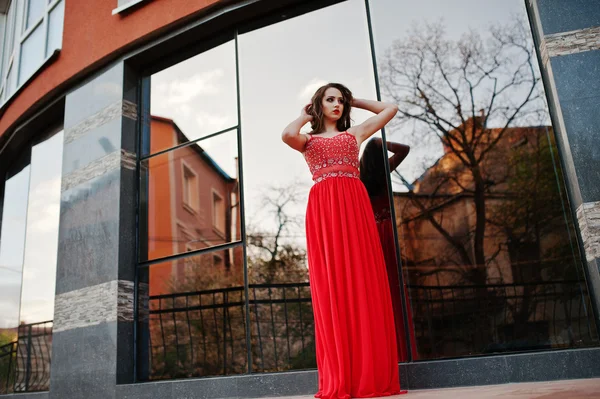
x,y
335,156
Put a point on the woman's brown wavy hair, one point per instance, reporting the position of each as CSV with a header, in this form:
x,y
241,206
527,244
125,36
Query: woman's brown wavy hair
x,y
316,108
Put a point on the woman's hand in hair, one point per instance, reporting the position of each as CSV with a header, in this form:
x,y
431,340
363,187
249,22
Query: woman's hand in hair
x,y
291,134
307,112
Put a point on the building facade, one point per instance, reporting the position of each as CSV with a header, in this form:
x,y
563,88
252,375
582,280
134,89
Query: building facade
x,y
152,221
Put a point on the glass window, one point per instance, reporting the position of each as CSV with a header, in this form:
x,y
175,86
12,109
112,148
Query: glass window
x,y
55,28
27,42
192,316
35,10
198,94
12,249
39,276
32,53
281,67
486,236
28,255
179,194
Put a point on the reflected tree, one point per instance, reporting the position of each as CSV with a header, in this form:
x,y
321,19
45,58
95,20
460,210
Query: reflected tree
x,y
489,210
282,325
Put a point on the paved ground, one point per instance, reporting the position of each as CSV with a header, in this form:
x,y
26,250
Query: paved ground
x,y
571,389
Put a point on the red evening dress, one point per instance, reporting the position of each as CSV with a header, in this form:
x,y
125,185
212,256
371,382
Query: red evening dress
x,y
354,324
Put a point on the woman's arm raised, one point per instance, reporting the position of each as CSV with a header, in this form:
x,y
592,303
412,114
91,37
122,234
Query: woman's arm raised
x,y
291,134
385,112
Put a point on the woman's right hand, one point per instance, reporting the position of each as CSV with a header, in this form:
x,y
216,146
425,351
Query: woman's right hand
x,y
306,112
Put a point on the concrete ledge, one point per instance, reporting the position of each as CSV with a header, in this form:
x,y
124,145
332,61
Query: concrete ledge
x,y
479,371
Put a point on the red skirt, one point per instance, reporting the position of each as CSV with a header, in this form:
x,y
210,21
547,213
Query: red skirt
x,y
354,322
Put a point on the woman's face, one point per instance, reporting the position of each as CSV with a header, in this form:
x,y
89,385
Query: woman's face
x,y
333,104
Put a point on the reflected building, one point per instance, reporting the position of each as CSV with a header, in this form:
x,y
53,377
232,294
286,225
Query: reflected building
x,y
194,205
487,254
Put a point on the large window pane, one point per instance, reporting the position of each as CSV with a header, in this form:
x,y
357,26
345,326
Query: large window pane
x,y
190,194
55,28
487,238
12,250
199,94
32,53
280,69
41,248
192,317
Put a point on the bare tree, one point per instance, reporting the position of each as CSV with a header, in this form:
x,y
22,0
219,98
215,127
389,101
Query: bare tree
x,y
274,253
453,92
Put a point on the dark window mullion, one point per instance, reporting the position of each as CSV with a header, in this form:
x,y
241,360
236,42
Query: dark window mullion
x,y
187,143
188,254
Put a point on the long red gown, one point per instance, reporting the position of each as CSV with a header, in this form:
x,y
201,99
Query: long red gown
x,y
354,324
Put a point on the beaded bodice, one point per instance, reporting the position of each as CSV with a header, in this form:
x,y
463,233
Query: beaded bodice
x,y
335,156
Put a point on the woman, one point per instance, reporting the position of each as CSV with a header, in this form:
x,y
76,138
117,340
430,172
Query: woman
x,y
373,175
354,323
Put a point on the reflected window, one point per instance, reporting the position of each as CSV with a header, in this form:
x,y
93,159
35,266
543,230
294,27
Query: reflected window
x,y
190,188
219,212
179,188
28,255
485,231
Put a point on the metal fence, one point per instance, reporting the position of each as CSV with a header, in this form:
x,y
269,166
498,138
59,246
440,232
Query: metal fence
x,y
25,363
204,333
454,321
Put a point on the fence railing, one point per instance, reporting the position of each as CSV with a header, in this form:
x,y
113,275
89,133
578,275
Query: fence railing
x,y
25,363
8,358
452,321
204,332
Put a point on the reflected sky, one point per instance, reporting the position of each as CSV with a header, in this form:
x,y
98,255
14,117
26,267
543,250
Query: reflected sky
x,y
394,20
41,242
199,95
12,246
29,238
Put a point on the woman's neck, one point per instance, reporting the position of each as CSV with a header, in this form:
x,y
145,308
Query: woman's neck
x,y
330,127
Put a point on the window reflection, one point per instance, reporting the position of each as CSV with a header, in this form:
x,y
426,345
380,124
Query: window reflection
x,y
191,194
198,94
39,277
192,313
486,236
280,69
28,254
12,249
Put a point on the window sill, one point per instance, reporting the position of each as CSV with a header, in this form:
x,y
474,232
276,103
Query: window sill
x,y
190,209
127,6
219,232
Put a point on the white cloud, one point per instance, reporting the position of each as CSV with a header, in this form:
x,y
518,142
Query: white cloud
x,y
184,90
307,92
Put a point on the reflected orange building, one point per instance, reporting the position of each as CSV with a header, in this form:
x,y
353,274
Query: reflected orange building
x,y
513,162
192,204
